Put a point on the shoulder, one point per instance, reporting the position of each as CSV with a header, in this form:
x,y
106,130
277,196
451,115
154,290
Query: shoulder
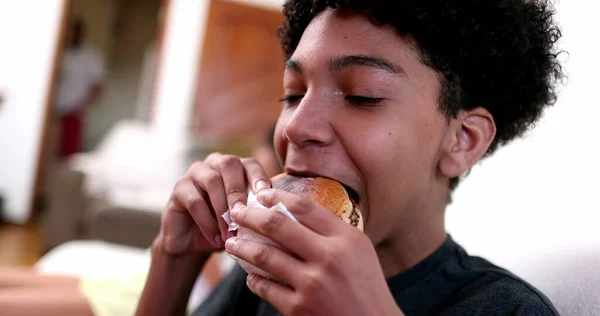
x,y
495,291
518,296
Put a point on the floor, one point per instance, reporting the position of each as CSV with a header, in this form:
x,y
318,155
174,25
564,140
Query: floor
x,y
20,245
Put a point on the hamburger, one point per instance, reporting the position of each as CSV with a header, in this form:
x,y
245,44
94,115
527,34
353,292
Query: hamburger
x,y
332,195
329,193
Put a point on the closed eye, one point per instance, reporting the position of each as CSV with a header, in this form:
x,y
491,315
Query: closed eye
x,y
363,101
354,99
291,99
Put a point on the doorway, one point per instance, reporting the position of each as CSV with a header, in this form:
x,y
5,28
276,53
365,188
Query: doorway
x,y
120,52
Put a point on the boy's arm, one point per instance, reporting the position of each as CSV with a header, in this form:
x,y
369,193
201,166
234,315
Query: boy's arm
x,y
169,284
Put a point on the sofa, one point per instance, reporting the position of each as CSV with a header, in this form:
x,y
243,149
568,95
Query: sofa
x,y
114,193
74,214
117,192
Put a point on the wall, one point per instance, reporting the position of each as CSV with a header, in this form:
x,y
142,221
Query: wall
x,y
540,193
183,40
184,32
26,64
240,79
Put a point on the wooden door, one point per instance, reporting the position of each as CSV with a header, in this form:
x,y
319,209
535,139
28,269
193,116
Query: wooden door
x,y
241,70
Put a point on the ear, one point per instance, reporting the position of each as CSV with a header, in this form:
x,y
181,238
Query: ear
x,y
467,139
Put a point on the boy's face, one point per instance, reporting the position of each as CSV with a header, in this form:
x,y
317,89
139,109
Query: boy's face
x,y
363,110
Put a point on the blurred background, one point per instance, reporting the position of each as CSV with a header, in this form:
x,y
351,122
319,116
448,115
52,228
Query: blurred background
x,y
104,104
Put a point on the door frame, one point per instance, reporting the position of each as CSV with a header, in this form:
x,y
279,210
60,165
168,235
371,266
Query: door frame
x,y
48,110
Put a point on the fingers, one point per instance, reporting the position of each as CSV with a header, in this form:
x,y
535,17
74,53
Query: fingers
x,y
187,197
281,265
208,181
281,297
255,174
234,183
311,214
286,232
235,175
221,182
234,179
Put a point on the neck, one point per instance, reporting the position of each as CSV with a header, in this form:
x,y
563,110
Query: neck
x,y
419,234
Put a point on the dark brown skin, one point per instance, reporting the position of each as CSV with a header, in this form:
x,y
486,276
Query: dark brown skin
x,y
397,153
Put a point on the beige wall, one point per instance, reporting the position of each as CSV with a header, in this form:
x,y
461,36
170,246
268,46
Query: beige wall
x,y
26,70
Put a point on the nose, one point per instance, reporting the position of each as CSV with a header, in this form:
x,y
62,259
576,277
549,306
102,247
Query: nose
x,y
309,124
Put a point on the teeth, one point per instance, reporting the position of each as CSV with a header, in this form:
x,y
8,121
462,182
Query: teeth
x,y
354,218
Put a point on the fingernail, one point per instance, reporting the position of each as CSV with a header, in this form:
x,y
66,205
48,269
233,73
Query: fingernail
x,y
249,279
219,241
260,185
229,242
236,208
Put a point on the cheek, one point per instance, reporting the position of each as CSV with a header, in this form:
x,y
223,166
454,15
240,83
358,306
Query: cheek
x,y
398,164
395,178
392,164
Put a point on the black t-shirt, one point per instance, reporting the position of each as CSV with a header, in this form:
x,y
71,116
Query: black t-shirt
x,y
448,282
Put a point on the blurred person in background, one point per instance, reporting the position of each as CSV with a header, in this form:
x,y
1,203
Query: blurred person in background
x,y
79,85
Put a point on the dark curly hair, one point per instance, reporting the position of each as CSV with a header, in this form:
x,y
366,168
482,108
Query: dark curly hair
x,y
497,54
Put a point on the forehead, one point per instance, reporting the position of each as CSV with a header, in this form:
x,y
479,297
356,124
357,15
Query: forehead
x,y
336,32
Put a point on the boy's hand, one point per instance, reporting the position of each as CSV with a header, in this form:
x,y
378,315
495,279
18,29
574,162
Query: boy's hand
x,y
331,268
192,222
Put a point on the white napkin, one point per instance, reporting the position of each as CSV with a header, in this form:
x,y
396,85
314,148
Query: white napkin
x,y
247,234
253,201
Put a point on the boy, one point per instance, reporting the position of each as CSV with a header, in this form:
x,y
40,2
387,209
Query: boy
x,y
396,100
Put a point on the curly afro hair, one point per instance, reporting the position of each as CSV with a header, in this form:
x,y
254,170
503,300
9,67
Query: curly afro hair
x,y
497,54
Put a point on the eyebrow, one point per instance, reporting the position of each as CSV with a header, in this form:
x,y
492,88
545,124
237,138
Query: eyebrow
x,y
293,65
351,61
